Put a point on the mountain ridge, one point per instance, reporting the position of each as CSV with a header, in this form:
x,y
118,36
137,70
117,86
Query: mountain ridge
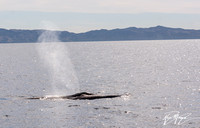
x,y
130,33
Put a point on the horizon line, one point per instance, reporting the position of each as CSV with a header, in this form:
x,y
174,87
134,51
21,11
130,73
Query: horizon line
x,y
40,29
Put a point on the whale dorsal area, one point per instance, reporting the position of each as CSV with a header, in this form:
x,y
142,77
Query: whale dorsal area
x,y
78,96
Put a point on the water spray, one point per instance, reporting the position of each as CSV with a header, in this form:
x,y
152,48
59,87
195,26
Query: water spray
x,y
57,60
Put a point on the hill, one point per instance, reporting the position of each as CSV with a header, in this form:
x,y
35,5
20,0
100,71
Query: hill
x,y
131,33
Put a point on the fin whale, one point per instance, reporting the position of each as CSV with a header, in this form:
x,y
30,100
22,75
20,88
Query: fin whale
x,y
78,96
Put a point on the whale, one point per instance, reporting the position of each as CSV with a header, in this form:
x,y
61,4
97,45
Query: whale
x,y
77,96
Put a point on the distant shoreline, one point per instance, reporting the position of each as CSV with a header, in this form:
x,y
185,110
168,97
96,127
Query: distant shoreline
x,y
125,41
126,34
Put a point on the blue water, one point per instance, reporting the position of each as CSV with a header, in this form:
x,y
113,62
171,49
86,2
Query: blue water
x,y
159,76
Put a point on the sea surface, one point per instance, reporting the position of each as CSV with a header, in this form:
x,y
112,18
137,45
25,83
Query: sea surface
x,y
159,80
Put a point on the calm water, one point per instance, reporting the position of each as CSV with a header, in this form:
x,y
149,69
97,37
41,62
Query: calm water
x,y
159,76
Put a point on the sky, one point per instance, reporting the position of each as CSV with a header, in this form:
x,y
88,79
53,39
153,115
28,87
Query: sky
x,y
85,15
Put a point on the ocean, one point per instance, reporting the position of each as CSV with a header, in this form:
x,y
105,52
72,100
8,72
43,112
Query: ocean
x,y
159,80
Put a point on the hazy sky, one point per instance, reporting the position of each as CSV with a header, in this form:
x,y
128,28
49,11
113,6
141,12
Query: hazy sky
x,y
84,15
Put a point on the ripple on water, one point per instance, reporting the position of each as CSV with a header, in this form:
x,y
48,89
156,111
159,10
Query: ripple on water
x,y
3,99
